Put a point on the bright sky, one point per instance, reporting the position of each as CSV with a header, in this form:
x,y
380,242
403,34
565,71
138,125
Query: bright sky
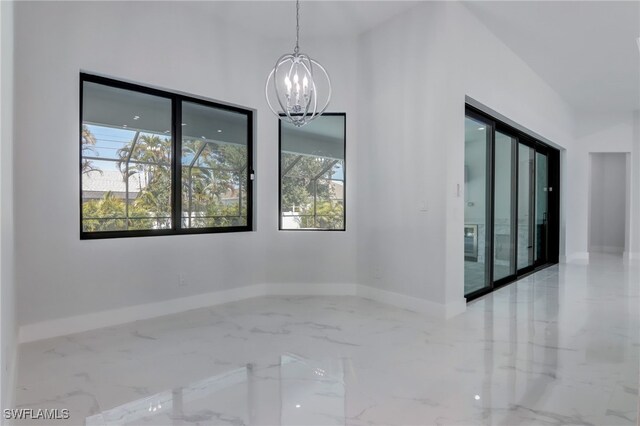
x,y
108,141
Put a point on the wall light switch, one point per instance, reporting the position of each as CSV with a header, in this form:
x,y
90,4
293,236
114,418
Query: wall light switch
x,y
423,206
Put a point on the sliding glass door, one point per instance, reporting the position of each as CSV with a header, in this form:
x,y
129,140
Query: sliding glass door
x,y
511,210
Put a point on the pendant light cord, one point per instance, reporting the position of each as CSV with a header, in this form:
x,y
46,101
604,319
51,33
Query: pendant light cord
x,y
297,48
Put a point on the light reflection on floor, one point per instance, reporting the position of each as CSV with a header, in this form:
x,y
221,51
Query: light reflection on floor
x,y
309,393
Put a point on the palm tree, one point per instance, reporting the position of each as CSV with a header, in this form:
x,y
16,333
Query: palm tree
x,y
88,143
150,154
205,184
149,157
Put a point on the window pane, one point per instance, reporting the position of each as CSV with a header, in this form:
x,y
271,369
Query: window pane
x,y
214,166
476,221
525,196
312,168
503,240
126,160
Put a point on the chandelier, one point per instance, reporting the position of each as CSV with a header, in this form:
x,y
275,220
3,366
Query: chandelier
x,y
293,87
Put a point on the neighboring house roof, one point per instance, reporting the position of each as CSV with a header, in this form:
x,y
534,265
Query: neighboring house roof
x,y
110,181
338,188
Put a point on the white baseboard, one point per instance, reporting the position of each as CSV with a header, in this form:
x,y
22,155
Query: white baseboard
x,y
77,324
456,308
288,289
410,303
576,256
86,322
607,249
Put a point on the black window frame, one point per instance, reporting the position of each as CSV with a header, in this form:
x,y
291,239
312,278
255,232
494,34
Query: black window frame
x,y
553,174
344,172
176,99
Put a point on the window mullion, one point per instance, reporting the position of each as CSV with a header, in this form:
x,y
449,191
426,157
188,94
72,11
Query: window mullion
x,y
176,179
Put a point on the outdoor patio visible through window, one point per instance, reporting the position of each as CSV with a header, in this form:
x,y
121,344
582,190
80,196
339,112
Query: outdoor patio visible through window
x,y
159,163
214,167
126,160
312,174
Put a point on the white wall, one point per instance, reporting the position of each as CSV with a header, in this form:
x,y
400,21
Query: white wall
x,y
634,215
176,46
401,92
8,323
608,203
415,73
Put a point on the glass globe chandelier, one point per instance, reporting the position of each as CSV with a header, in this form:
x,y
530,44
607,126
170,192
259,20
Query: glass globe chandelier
x,y
293,83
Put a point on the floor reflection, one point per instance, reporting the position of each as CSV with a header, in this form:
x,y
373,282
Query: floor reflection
x,y
296,391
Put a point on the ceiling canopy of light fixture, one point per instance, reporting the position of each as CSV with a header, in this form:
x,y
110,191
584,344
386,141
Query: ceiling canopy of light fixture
x,y
293,85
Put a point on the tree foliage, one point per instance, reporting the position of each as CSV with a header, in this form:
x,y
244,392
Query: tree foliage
x,y
109,214
147,158
214,184
213,187
308,192
88,148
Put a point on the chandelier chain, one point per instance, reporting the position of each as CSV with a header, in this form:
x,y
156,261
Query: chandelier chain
x,y
297,48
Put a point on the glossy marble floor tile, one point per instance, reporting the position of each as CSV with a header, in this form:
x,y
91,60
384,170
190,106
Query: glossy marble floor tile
x,y
559,347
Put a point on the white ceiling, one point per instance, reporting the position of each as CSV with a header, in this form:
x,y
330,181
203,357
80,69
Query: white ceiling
x,y
585,50
276,19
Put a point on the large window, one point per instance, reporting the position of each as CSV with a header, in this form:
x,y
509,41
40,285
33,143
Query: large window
x,y
159,163
312,174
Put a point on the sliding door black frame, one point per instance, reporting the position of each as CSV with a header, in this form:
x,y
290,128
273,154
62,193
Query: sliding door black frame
x,y
553,206
489,197
514,205
531,144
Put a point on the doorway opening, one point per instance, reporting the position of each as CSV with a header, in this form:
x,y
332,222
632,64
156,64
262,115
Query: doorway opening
x,y
609,203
